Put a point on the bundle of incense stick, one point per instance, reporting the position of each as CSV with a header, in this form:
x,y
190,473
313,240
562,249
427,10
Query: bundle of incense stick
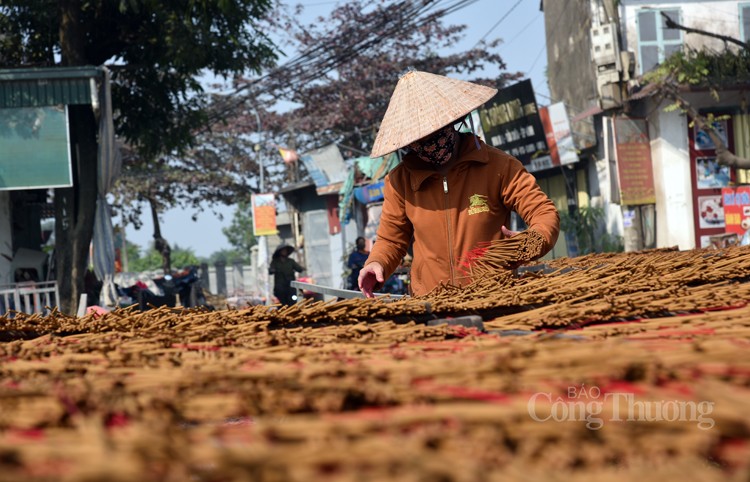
x,y
506,253
350,391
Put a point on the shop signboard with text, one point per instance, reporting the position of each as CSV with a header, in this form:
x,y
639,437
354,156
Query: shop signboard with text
x,y
736,209
370,193
511,122
559,136
634,167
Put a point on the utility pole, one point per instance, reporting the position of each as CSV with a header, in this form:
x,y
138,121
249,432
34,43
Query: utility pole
x,y
263,241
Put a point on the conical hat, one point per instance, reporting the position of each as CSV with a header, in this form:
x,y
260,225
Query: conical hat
x,y
423,103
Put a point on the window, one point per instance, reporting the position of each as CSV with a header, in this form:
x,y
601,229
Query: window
x,y
656,42
745,22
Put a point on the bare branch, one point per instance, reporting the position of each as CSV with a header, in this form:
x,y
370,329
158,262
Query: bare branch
x,y
723,155
672,24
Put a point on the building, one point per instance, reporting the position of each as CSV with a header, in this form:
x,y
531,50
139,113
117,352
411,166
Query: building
x,y
651,170
36,158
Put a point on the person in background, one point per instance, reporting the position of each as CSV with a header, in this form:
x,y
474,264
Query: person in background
x,y
451,191
282,268
356,262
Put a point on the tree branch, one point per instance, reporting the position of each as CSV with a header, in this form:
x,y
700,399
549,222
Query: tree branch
x,y
160,244
672,24
723,155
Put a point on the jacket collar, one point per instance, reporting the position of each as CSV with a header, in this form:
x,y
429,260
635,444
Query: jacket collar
x,y
419,171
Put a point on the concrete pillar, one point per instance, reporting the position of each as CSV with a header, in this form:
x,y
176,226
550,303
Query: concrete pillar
x,y
221,278
238,281
205,282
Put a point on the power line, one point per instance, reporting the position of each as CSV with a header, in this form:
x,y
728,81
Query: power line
x,y
498,22
525,27
536,59
317,4
343,45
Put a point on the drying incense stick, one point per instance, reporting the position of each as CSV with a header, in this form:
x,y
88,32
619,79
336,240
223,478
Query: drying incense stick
x,y
503,253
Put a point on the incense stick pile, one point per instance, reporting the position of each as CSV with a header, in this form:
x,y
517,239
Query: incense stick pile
x,y
503,253
611,367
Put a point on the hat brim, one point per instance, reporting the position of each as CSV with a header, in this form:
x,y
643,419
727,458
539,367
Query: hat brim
x,y
423,103
281,248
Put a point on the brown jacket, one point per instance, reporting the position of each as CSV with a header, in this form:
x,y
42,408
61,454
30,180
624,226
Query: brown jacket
x,y
448,213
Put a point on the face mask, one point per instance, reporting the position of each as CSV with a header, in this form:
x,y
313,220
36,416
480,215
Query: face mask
x,y
437,148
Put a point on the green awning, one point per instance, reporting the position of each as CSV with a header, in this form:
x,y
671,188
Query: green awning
x,y
37,87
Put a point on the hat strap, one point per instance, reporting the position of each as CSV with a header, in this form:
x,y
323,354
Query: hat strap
x,y
473,130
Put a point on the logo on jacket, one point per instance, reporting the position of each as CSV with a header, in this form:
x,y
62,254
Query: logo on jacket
x,y
478,204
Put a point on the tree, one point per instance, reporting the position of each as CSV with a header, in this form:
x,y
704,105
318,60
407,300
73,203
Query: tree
x,y
585,227
341,81
228,256
156,51
225,162
133,252
152,259
239,233
703,69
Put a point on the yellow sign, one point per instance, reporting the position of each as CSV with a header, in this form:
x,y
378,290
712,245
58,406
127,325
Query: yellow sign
x,y
264,214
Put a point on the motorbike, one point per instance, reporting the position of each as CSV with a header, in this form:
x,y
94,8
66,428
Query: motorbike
x,y
185,285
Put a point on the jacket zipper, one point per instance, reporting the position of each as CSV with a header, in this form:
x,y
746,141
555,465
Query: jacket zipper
x,y
448,226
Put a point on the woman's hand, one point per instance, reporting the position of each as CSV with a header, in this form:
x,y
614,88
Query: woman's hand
x,y
507,232
370,277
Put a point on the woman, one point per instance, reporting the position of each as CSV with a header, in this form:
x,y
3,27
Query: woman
x,y
451,191
282,268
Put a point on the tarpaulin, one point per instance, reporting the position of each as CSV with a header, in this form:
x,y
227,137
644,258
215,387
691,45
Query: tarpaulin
x,y
109,164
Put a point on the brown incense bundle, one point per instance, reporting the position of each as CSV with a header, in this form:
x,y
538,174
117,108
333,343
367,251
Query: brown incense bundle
x,y
353,391
506,253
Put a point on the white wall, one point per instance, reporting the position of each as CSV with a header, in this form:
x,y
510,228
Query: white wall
x,y
672,181
720,17
6,239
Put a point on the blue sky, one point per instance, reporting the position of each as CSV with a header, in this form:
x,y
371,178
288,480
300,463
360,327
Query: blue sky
x,y
523,51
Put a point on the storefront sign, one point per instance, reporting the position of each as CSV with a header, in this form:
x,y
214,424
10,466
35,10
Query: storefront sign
x,y
558,134
511,122
634,166
736,209
264,214
370,193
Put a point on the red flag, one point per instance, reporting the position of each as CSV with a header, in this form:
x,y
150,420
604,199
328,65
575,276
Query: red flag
x,y
289,155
